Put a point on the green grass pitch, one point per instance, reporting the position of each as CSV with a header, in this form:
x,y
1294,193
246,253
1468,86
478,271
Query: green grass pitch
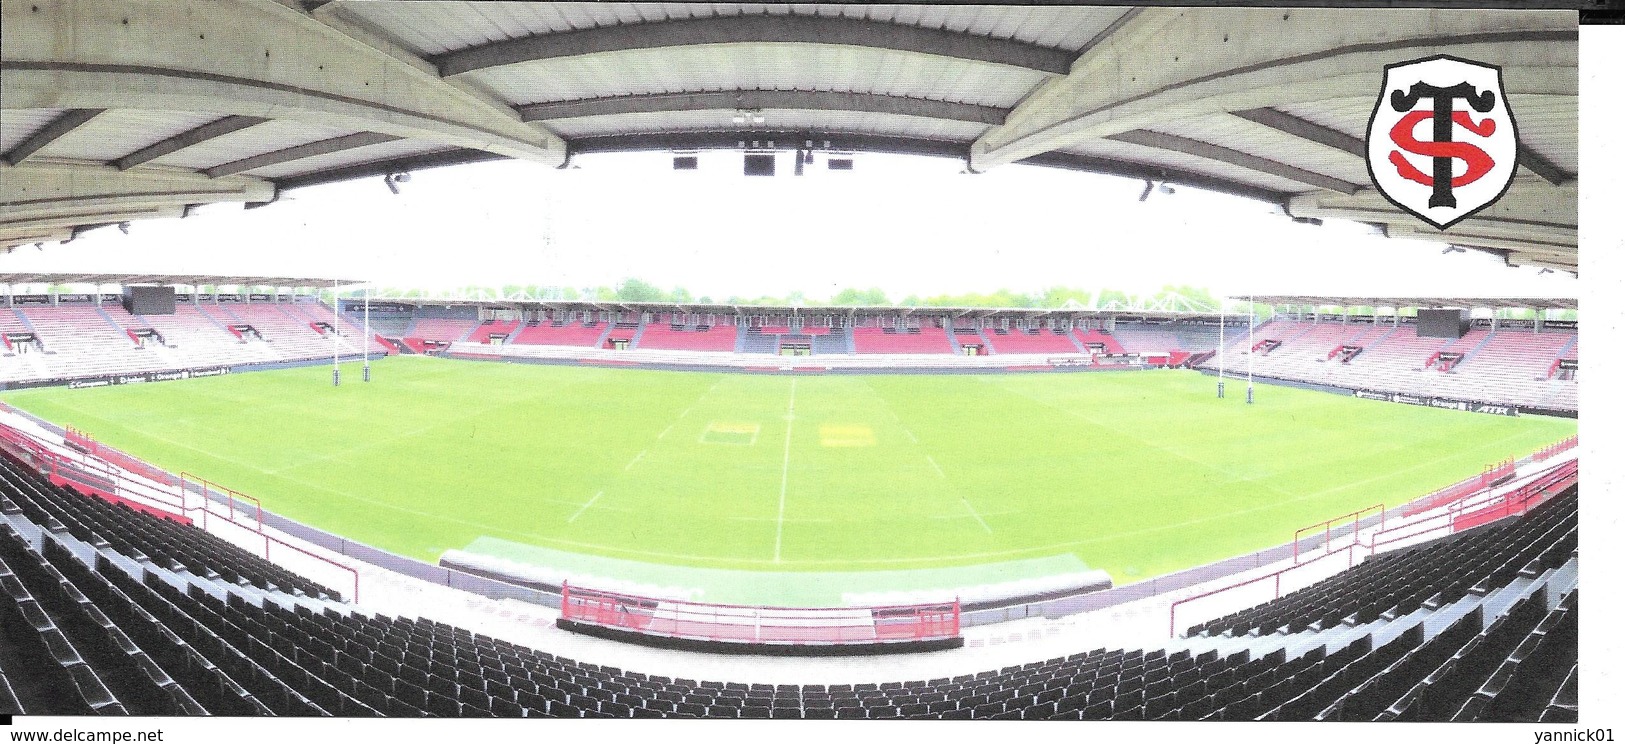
x,y
1138,473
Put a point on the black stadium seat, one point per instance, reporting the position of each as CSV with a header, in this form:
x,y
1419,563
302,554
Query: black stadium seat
x,y
110,639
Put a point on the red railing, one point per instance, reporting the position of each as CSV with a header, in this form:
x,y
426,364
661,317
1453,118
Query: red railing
x,y
1463,488
80,440
1326,527
1550,451
204,486
92,474
1463,514
1274,576
1480,508
760,625
1519,500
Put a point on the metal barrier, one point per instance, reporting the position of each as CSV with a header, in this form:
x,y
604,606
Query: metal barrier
x,y
1326,527
1472,510
1550,451
1461,489
1479,507
80,467
206,489
1173,607
760,625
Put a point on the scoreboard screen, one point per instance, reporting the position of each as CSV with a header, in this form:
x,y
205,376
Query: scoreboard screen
x,y
1435,323
150,300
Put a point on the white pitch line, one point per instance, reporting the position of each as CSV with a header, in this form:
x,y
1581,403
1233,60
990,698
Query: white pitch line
x,y
664,433
635,459
974,514
584,507
911,436
784,471
935,466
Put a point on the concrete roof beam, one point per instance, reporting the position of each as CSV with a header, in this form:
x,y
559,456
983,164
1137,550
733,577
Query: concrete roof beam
x,y
1172,63
246,58
763,29
46,193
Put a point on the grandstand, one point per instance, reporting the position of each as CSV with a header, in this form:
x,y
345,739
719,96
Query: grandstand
x,y
1496,361
822,512
124,605
164,619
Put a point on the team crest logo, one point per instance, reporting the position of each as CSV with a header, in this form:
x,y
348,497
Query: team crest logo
x,y
1442,144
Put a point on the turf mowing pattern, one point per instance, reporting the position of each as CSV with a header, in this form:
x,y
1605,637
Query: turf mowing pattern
x,y
1137,473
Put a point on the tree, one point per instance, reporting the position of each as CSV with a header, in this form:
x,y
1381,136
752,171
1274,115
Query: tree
x,y
1059,296
637,290
1108,296
1199,298
854,297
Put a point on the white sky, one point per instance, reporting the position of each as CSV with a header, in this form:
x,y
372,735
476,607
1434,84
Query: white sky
x,y
909,225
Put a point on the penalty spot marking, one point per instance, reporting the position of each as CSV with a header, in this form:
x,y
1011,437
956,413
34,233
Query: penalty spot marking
x,y
584,507
846,435
730,432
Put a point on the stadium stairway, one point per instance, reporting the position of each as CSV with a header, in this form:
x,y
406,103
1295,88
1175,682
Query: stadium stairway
x,y
603,338
1077,342
1570,346
211,318
1473,352
1364,340
104,316
836,341
225,312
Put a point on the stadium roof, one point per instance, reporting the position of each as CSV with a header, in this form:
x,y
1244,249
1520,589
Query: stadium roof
x,y
113,115
1491,303
188,280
